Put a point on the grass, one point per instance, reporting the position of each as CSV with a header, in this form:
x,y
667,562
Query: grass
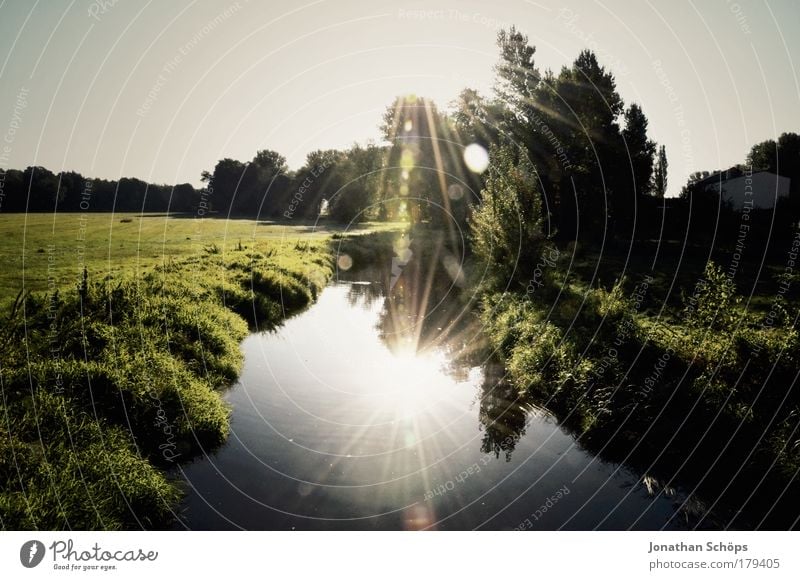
x,y
118,336
113,358
698,388
38,247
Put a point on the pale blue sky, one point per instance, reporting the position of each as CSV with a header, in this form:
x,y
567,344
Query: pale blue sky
x,y
713,77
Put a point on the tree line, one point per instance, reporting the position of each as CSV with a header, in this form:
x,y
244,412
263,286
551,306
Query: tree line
x,y
587,156
37,189
572,162
417,173
591,170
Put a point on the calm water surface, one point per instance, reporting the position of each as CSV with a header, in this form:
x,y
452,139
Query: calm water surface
x,y
360,413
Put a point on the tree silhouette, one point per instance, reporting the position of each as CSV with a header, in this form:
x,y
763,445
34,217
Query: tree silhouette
x,y
659,188
639,151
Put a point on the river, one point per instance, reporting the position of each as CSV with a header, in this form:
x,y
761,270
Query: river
x,y
368,412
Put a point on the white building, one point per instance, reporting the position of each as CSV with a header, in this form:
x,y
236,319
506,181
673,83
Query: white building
x,y
762,188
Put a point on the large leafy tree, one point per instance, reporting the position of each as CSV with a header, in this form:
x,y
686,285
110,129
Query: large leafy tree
x,y
358,174
592,171
224,184
518,80
316,181
641,150
587,110
527,114
255,188
264,184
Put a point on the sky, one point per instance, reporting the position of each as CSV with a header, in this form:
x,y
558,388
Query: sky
x,y
162,90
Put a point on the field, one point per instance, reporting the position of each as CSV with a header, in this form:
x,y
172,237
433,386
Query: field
x,y
39,246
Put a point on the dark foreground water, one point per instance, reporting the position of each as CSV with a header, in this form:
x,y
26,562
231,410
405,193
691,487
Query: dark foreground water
x,y
360,413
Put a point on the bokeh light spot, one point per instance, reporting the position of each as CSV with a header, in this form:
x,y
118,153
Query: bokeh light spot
x,y
455,192
344,262
476,158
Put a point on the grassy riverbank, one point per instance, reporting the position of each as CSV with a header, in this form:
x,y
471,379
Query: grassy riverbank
x,y
112,367
679,372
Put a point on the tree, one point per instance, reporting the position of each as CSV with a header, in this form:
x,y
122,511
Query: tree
x,y
569,125
318,179
532,113
358,173
507,226
639,153
38,189
44,190
252,189
224,184
641,150
659,187
14,193
264,185
764,156
476,119
424,159
270,161
584,124
72,184
517,76
184,198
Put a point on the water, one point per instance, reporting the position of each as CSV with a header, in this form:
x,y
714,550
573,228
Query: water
x,y
371,413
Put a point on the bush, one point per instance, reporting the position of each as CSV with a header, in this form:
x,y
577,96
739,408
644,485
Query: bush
x,y
506,227
713,305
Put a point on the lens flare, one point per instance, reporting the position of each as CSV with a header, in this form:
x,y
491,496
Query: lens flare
x,y
455,192
407,160
344,262
476,158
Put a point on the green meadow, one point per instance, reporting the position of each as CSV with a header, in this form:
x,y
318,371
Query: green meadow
x,y
45,249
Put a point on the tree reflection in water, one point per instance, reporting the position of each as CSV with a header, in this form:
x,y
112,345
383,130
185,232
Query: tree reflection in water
x,y
503,416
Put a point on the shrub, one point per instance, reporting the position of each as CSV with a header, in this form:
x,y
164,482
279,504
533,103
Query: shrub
x,y
713,305
506,227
